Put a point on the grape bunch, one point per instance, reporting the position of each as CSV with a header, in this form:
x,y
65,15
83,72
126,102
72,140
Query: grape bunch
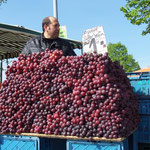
x,y
83,96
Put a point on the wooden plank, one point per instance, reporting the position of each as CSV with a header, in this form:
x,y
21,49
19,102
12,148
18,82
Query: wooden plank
x,y
71,137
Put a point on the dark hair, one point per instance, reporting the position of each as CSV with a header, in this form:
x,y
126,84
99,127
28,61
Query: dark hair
x,y
46,21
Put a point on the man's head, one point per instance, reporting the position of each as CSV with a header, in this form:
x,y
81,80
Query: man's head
x,y
50,26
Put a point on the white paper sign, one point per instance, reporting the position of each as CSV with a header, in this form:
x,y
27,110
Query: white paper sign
x,y
94,40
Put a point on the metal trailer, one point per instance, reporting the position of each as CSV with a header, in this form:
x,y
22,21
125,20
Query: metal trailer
x,y
140,81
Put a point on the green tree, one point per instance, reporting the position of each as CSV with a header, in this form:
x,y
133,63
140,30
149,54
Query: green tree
x,y
2,1
118,52
138,12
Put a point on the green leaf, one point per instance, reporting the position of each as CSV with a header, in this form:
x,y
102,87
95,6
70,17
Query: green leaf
x,y
138,12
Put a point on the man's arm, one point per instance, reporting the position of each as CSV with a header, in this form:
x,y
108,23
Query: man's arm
x,y
26,49
71,51
67,49
32,46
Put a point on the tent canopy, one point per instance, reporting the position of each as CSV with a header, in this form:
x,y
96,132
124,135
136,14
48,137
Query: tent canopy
x,y
144,70
13,38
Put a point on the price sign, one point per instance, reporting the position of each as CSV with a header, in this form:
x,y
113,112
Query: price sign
x,y
94,40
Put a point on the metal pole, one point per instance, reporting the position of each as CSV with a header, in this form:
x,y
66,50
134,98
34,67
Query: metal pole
x,y
1,73
55,10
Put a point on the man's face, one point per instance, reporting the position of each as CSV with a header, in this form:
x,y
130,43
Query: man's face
x,y
53,28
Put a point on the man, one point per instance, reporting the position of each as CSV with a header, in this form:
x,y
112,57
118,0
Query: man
x,y
48,40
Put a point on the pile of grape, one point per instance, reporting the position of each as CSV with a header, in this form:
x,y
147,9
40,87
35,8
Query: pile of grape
x,y
83,96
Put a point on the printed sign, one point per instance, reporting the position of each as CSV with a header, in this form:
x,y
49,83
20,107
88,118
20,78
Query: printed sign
x,y
63,32
94,40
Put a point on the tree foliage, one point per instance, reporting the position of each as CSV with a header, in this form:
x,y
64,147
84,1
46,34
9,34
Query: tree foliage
x,y
2,1
118,52
138,12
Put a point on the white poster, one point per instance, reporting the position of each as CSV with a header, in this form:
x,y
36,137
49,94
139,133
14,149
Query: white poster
x,y
94,40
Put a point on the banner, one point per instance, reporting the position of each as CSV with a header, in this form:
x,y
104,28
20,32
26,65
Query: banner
x,y
63,32
94,40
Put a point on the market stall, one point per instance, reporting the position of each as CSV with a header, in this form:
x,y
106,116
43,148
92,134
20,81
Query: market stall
x,y
13,39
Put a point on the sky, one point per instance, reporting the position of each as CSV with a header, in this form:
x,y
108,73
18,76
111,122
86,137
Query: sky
x,y
80,15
